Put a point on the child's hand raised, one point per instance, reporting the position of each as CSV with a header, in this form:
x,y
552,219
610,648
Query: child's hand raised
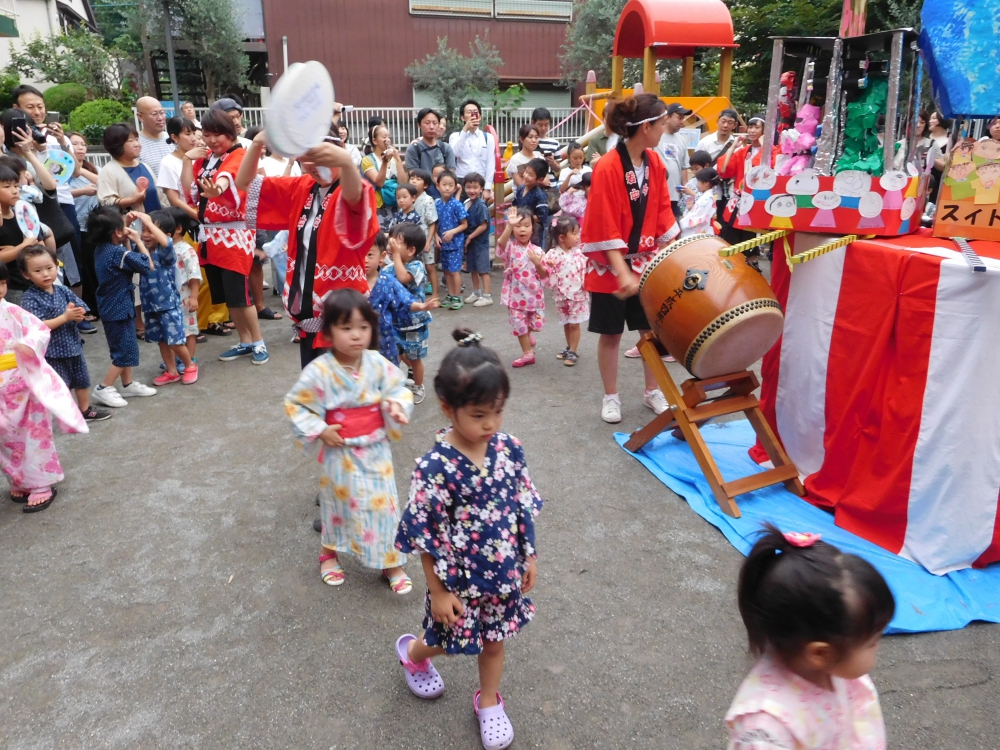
x,y
397,413
512,218
446,608
331,436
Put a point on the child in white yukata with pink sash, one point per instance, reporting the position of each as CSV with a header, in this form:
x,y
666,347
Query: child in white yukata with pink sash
x,y
32,392
814,617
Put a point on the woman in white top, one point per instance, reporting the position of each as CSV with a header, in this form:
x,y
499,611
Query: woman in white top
x,y
527,136
571,175
383,164
345,137
181,132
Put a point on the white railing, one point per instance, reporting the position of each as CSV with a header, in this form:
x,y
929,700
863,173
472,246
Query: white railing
x,y
534,10
403,129
98,158
8,8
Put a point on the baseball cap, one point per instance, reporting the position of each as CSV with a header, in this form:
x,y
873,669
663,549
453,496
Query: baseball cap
x,y
678,109
228,105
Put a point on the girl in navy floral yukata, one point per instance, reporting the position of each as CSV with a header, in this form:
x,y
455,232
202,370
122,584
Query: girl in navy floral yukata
x,y
470,517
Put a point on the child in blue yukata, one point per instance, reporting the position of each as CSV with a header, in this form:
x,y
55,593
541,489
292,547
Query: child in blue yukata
x,y
187,274
530,195
477,240
389,299
405,241
406,196
115,262
453,220
425,208
60,310
160,301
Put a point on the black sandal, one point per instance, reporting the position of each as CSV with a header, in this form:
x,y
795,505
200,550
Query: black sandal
x,y
268,314
201,338
217,329
40,506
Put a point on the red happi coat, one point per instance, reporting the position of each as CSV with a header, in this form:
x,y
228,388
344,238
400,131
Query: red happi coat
x,y
607,223
226,241
344,235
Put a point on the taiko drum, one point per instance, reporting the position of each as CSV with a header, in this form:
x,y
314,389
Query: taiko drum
x,y
715,315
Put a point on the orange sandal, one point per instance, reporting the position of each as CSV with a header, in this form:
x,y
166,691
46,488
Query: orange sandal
x,y
335,575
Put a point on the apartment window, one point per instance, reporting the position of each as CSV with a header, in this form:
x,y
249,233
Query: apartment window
x,y
536,10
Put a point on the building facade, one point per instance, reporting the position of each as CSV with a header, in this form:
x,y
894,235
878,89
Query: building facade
x,y
367,44
22,20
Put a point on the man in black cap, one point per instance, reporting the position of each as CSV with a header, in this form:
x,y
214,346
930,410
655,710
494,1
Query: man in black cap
x,y
674,150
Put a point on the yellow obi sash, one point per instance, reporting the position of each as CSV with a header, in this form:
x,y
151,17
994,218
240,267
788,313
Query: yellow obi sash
x,y
8,361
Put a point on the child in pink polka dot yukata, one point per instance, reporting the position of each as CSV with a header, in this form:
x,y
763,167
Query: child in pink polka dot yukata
x,y
523,294
563,270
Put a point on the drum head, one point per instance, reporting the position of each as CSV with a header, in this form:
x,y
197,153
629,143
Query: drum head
x,y
735,340
301,109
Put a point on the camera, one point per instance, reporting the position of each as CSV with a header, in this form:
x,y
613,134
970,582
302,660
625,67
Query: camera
x,y
37,134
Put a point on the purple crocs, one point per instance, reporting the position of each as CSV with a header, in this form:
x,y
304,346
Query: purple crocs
x,y
422,678
495,729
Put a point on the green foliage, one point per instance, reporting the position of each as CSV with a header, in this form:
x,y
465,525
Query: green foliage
x,y
450,77
9,80
208,29
589,42
64,98
78,56
505,102
90,118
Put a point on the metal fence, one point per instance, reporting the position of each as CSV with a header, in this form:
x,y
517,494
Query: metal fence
x,y
403,129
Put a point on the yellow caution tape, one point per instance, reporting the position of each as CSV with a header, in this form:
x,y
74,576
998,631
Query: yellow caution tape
x,y
760,239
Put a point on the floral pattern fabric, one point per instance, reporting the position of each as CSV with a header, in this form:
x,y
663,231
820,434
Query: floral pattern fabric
x,y
775,709
391,301
187,268
478,524
31,393
567,270
357,487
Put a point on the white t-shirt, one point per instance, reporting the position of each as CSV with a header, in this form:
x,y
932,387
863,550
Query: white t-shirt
x,y
710,143
575,180
276,168
673,149
518,159
169,177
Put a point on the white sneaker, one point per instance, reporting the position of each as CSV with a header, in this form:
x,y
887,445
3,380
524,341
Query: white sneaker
x,y
485,301
471,299
108,397
611,411
135,389
655,400
418,394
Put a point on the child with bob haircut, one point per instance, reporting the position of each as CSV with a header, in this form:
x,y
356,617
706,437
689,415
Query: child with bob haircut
x,y
529,194
352,400
405,241
470,517
453,220
477,240
814,618
115,261
563,270
522,293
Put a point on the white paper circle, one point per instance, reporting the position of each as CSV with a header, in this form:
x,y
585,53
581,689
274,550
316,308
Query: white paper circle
x,y
908,208
805,182
746,203
852,184
301,109
870,205
761,178
826,200
893,180
783,205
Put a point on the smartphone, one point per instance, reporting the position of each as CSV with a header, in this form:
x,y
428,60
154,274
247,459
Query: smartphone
x,y
17,122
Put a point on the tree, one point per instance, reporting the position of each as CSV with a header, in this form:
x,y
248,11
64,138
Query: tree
x,y
78,56
589,42
450,77
209,30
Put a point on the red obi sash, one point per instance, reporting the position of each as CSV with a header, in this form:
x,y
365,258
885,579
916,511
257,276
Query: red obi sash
x,y
357,422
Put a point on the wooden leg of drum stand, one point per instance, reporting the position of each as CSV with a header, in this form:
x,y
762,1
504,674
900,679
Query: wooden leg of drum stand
x,y
695,405
651,354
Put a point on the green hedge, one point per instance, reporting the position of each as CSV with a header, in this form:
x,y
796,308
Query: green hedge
x,y
64,98
91,118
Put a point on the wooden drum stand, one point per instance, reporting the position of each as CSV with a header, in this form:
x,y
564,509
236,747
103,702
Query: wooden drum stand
x,y
695,403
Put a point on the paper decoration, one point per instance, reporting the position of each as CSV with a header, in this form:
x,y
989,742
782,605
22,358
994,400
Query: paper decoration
x,y
969,201
847,203
959,42
862,150
141,184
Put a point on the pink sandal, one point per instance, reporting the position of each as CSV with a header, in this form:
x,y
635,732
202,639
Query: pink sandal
x,y
400,584
495,729
524,359
421,677
335,575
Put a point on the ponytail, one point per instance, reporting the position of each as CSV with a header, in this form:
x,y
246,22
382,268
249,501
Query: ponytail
x,y
633,109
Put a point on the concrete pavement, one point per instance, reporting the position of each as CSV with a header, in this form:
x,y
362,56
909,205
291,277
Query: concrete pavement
x,y
171,595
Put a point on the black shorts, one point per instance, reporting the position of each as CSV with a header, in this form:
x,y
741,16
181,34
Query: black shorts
x,y
609,314
228,287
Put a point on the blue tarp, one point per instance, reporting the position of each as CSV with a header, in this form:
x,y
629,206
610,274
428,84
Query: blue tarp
x,y
924,602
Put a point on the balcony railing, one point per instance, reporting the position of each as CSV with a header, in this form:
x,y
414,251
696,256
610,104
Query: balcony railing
x,y
535,10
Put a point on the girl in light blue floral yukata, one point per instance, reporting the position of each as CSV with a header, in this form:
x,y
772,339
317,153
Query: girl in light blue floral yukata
x,y
470,517
352,400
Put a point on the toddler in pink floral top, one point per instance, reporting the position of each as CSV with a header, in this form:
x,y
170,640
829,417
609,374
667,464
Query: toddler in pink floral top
x,y
522,293
563,269
814,617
